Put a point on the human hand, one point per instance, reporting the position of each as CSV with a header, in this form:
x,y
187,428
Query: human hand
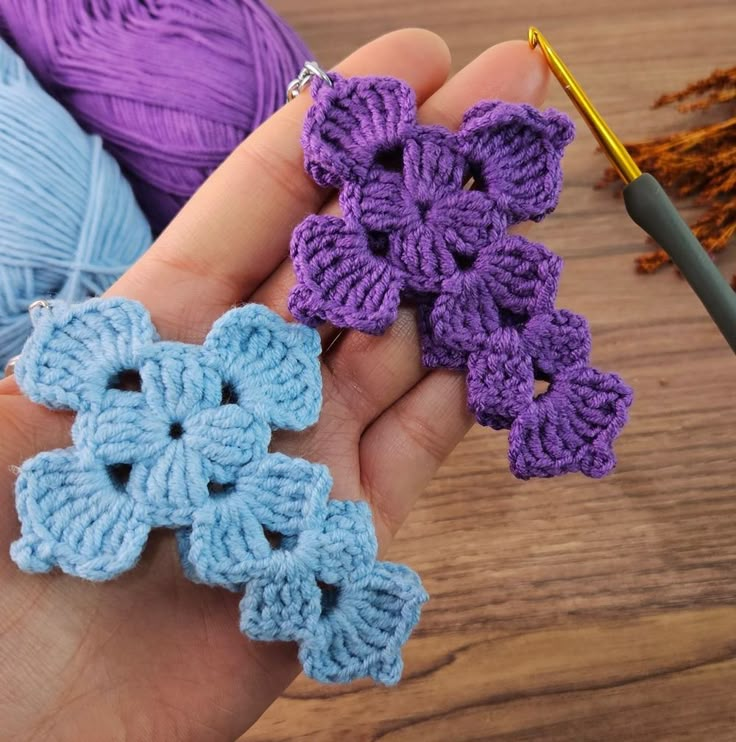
x,y
151,655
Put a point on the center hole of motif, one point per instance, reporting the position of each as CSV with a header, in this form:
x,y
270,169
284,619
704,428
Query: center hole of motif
x,y
463,261
176,431
423,208
378,244
220,489
391,159
330,595
473,178
510,319
229,395
126,380
275,540
119,475
540,387
542,382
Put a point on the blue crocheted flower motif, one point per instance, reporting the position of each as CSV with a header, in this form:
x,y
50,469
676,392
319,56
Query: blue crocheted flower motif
x,y
159,425
176,435
309,568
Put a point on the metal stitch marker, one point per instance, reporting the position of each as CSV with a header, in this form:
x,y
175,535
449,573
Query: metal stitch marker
x,y
650,207
309,71
38,304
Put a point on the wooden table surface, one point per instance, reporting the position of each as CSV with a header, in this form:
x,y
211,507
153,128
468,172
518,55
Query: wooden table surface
x,y
571,609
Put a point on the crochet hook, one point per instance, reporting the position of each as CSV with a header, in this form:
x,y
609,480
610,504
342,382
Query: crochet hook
x,y
649,206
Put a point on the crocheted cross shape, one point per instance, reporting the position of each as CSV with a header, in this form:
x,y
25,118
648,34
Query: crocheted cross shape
x,y
426,214
175,435
310,567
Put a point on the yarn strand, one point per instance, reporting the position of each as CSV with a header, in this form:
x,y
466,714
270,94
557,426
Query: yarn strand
x,y
172,88
69,224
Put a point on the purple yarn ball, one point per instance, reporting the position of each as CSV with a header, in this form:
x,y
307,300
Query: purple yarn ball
x,y
171,87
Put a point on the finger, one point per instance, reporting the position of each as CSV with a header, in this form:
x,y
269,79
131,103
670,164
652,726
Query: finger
x,y
373,372
401,451
367,370
509,71
235,230
8,385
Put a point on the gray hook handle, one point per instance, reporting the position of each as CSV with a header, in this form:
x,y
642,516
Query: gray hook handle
x,y
650,207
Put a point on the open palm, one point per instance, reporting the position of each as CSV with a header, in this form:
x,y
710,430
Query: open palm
x,y
151,655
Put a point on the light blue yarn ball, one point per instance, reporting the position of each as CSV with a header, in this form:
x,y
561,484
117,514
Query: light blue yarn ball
x,y
69,224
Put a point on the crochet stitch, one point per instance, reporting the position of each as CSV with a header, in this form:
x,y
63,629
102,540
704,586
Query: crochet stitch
x,y
175,435
426,214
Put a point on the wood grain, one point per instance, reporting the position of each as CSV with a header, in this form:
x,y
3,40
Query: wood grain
x,y
572,609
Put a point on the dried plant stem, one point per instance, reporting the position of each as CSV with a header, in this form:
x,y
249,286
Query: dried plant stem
x,y
699,164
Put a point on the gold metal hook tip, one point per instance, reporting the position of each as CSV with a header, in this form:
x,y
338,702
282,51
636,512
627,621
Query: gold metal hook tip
x,y
610,143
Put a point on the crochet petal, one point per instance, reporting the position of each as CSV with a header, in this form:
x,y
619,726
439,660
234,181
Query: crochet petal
x,y
500,380
469,222
285,607
287,495
172,486
76,350
339,279
183,545
433,166
177,380
435,353
422,256
119,431
465,314
377,204
227,545
226,438
518,150
347,547
523,276
557,341
444,239
571,427
267,522
272,366
74,518
353,124
363,627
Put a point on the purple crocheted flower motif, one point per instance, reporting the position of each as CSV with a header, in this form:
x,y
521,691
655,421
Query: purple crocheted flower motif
x,y
426,214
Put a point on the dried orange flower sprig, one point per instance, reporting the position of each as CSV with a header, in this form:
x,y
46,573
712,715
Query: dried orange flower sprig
x,y
699,163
